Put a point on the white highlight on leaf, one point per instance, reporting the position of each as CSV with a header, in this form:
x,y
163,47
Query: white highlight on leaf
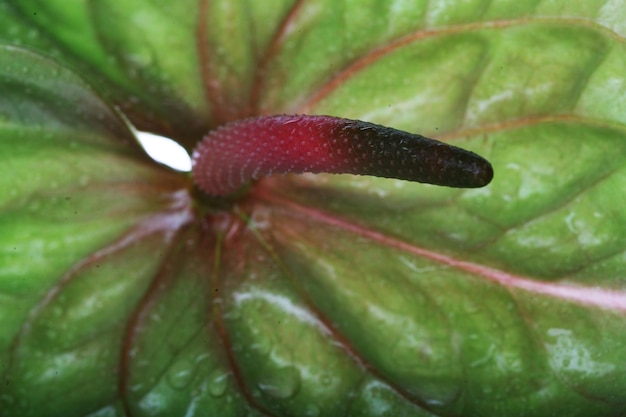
x,y
153,403
282,303
399,7
533,181
165,151
306,17
569,221
480,107
288,307
569,354
108,411
586,234
379,398
411,265
439,10
613,15
486,357
406,107
58,364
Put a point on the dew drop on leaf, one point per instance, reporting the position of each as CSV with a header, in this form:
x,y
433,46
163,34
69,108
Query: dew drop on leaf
x,y
281,384
7,399
57,311
311,410
142,59
218,382
181,373
153,403
233,315
262,346
51,335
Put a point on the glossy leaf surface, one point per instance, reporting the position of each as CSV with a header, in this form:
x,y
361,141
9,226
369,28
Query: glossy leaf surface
x,y
125,292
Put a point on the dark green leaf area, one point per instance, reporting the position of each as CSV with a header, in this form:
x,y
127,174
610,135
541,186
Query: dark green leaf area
x,y
63,358
450,80
38,93
569,209
124,58
172,66
17,30
515,348
539,69
78,200
172,354
289,357
312,295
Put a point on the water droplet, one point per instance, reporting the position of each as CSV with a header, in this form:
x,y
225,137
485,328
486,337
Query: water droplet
x,y
140,59
7,399
233,315
181,374
311,410
262,346
51,335
34,206
218,382
281,384
404,355
57,311
132,73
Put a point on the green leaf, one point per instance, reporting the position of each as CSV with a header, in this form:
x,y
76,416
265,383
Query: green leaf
x,y
79,201
125,292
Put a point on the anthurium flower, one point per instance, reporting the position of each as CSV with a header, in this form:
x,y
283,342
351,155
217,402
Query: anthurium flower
x,y
131,289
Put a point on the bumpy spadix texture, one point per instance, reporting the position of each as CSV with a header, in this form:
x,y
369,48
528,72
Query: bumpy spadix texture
x,y
238,152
